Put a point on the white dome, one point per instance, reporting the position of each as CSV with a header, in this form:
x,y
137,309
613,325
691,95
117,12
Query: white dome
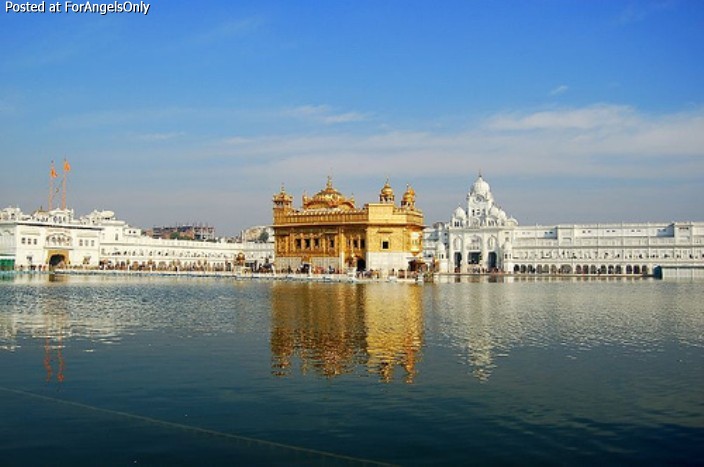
x,y
480,187
459,213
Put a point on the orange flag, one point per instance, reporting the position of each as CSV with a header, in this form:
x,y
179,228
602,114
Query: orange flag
x,y
67,166
52,173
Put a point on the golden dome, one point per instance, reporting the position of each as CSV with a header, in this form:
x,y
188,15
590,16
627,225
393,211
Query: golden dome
x,y
387,190
387,193
409,197
328,198
282,198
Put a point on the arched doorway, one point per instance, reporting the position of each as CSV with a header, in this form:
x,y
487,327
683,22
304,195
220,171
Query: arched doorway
x,y
492,261
57,260
361,264
458,261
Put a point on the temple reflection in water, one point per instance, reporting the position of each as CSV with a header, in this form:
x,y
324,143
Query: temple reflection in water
x,y
338,329
54,319
48,322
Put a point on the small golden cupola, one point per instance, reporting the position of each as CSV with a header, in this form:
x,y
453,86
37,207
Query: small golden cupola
x,y
283,199
409,198
387,194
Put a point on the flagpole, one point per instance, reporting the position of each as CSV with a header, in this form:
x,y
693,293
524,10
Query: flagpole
x,y
67,169
52,176
63,191
51,189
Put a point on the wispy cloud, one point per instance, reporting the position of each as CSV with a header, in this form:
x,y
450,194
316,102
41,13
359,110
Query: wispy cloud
x,y
561,89
228,29
585,118
564,142
159,136
636,12
323,114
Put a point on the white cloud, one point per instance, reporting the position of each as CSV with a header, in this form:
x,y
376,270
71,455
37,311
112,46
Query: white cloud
x,y
159,136
559,90
587,118
562,142
323,114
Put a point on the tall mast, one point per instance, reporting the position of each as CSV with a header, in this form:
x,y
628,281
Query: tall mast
x,y
52,176
67,169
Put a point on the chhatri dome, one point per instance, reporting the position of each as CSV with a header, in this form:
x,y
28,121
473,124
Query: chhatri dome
x,y
409,198
328,198
282,198
387,193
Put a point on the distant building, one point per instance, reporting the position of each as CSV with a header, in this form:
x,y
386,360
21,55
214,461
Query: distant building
x,y
481,237
329,233
258,234
56,238
198,232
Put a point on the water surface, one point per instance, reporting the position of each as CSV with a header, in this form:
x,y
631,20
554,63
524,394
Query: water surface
x,y
185,371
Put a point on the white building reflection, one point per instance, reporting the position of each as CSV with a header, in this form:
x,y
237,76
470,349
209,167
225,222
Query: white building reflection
x,y
52,320
480,322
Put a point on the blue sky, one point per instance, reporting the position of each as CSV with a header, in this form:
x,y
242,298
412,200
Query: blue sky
x,y
574,111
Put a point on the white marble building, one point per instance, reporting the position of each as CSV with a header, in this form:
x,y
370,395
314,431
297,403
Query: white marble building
x,y
57,238
481,237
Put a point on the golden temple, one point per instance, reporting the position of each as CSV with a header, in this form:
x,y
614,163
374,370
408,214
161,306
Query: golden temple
x,y
330,234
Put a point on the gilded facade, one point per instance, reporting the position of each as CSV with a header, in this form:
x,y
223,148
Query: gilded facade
x,y
330,234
